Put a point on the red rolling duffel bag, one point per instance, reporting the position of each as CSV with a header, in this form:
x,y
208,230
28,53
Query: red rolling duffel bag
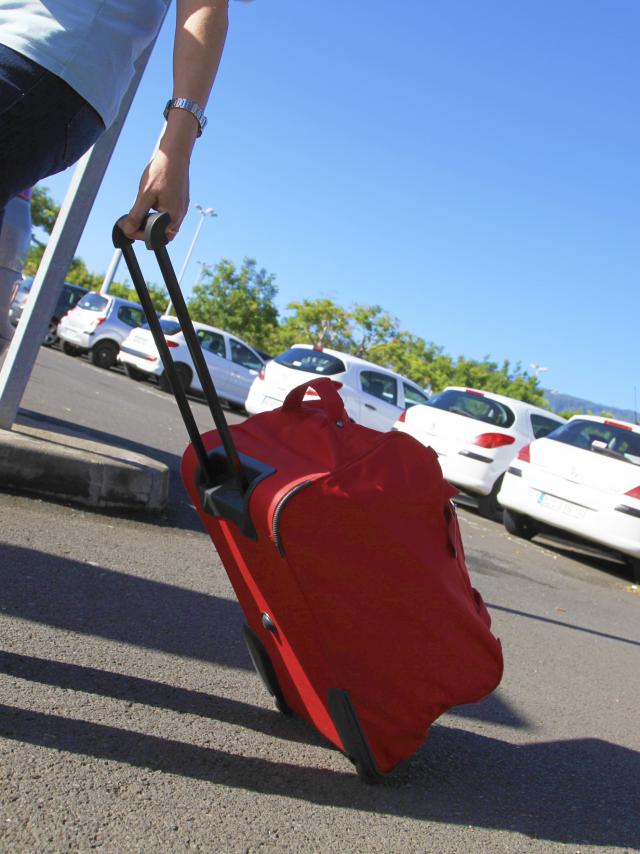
x,y
343,547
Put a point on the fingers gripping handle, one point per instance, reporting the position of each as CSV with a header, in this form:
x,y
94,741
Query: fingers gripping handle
x,y
332,403
155,231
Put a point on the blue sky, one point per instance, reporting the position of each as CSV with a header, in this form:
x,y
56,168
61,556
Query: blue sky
x,y
471,166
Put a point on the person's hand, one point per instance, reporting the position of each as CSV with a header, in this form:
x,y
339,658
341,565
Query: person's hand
x,y
164,186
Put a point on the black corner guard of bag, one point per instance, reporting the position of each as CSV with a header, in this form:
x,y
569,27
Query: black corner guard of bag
x,y
265,670
356,746
223,497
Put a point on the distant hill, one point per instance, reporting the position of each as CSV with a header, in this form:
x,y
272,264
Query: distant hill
x,y
559,402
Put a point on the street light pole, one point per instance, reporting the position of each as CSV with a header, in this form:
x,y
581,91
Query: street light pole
x,y
204,212
537,369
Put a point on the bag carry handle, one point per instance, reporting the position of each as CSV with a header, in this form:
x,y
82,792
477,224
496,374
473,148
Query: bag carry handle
x,y
155,237
333,404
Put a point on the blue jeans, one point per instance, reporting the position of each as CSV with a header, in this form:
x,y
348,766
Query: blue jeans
x,y
45,125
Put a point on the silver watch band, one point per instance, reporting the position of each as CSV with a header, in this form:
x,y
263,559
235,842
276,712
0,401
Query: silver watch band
x,y
191,107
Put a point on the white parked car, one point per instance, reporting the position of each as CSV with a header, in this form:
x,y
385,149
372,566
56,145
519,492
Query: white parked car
x,y
373,396
233,364
583,478
476,434
98,325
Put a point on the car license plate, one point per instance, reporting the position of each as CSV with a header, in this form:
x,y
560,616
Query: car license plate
x,y
560,506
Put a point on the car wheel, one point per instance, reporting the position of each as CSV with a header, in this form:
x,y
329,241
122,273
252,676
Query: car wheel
x,y
634,563
52,334
134,373
488,505
69,349
104,354
518,525
184,376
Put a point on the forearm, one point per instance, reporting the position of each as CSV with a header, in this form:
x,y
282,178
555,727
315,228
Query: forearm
x,y
201,29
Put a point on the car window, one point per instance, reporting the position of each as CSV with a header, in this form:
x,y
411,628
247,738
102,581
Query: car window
x,y
312,361
168,325
475,405
607,438
381,386
242,355
213,342
93,302
542,426
68,298
413,396
130,316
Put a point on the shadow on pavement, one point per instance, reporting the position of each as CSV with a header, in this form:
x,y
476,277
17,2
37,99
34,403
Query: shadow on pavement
x,y
493,709
92,600
159,695
583,552
563,624
583,791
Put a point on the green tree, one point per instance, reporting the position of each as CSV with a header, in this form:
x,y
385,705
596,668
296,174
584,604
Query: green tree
x,y
159,296
34,256
409,355
240,301
78,274
489,376
320,322
370,326
44,211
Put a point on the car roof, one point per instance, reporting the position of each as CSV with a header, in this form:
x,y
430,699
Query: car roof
x,y
350,359
121,300
513,402
602,419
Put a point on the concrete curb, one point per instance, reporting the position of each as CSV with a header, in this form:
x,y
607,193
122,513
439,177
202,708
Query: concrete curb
x,y
73,468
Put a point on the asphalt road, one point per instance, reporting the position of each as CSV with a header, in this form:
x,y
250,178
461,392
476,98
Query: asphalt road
x,y
131,720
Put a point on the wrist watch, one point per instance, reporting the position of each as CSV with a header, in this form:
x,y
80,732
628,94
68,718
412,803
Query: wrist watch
x,y
191,107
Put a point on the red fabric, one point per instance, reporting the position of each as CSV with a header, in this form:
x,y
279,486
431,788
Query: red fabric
x,y
372,594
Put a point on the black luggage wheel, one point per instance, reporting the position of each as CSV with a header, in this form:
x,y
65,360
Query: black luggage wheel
x,y
346,721
265,670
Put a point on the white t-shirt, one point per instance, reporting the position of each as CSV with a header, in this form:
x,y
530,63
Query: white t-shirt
x,y
90,44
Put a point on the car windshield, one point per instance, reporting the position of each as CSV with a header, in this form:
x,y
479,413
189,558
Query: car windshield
x,y
608,438
311,361
93,302
167,324
473,404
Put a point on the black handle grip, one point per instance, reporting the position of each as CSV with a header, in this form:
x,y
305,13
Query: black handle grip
x,y
155,231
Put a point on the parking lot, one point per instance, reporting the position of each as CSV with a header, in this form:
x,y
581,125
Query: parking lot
x,y
131,719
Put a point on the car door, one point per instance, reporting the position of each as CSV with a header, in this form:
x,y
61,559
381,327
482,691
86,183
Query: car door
x,y
413,396
379,406
215,355
129,317
245,367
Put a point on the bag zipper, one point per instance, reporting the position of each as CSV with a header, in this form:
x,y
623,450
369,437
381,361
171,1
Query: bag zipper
x,y
275,523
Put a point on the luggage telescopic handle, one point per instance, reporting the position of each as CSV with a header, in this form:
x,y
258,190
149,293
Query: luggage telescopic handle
x,y
156,240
